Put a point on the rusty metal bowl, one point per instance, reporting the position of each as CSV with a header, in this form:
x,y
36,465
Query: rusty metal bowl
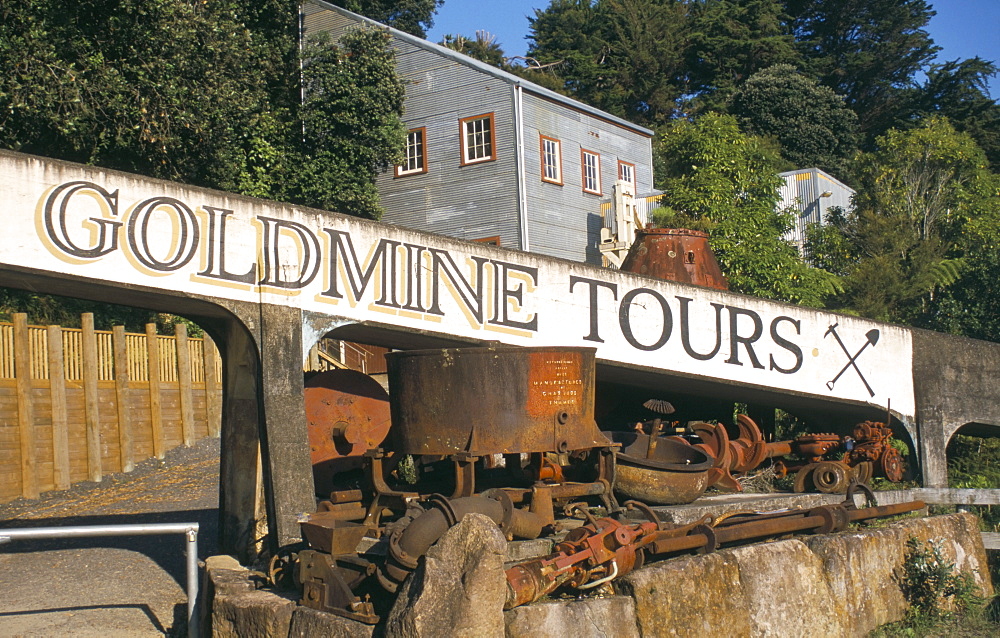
x,y
676,473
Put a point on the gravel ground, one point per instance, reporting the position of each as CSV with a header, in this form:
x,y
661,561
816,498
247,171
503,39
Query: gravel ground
x,y
129,586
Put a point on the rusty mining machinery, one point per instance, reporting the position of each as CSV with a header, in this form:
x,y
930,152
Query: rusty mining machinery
x,y
510,433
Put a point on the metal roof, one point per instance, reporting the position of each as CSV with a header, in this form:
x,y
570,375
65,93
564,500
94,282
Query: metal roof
x,y
482,67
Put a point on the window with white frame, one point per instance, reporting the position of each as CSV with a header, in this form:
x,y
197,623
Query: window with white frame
x,y
414,157
591,171
626,173
551,152
478,139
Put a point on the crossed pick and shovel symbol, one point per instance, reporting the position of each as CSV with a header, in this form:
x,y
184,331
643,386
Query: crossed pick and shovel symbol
x,y
872,338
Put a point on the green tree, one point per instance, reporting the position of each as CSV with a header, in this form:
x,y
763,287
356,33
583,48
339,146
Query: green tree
x,y
729,41
925,211
351,110
959,91
206,93
623,56
411,16
483,47
869,51
712,172
811,123
165,88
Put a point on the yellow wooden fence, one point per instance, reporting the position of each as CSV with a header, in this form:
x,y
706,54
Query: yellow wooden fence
x,y
77,403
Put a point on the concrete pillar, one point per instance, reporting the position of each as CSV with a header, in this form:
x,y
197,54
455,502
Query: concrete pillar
x,y
241,503
931,452
266,475
288,469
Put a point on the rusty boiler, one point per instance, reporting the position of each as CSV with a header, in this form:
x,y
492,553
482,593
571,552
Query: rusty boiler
x,y
493,400
675,254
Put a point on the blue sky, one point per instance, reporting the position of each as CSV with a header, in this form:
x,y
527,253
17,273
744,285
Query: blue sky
x,y
962,29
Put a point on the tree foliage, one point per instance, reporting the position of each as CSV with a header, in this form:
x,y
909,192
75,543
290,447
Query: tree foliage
x,y
652,60
811,123
925,210
623,56
206,93
730,40
353,102
869,51
959,91
484,47
411,16
203,93
710,171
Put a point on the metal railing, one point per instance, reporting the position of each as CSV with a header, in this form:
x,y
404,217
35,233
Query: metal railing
x,y
190,531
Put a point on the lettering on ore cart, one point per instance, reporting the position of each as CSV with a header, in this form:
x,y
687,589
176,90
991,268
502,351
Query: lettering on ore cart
x,y
401,277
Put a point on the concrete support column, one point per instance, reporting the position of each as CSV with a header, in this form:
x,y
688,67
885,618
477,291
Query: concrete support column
x,y
931,451
266,475
241,492
288,469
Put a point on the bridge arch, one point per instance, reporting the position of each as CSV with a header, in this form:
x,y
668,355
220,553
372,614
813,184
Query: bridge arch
x,y
240,331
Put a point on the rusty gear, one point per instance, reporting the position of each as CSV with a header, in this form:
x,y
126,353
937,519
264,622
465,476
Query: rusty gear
x,y
892,465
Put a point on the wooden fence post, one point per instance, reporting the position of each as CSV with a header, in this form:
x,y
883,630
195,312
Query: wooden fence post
x,y
155,412
25,408
93,419
213,404
184,383
126,453
60,426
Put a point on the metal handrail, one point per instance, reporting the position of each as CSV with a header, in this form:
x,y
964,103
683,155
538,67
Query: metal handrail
x,y
190,531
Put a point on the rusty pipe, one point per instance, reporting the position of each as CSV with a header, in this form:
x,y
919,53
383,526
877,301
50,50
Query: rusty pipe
x,y
406,548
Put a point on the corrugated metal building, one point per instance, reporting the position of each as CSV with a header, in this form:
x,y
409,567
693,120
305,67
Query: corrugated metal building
x,y
811,192
493,157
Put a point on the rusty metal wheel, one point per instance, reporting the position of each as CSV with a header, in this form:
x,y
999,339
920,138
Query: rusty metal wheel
x,y
830,477
864,471
892,465
803,478
281,569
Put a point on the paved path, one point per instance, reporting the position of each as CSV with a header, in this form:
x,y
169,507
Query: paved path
x,y
131,586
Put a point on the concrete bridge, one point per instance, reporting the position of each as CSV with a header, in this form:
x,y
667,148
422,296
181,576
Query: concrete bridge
x,y
268,280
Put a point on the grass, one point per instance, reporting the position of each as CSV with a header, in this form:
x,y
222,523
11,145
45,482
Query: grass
x,y
943,601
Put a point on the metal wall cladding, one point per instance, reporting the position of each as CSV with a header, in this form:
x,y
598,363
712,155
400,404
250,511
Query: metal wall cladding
x,y
493,400
675,254
803,191
475,201
563,220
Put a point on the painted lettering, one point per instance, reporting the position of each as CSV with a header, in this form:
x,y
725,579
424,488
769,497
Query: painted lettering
x,y
445,271
279,270
593,286
786,344
624,319
342,254
686,330
215,249
503,295
735,339
106,230
184,239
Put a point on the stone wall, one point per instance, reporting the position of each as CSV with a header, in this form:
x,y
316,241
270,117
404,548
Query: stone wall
x,y
842,584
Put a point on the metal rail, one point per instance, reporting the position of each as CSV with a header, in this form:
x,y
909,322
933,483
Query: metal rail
x,y
190,531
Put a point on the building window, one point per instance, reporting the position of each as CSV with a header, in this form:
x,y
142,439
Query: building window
x,y
478,139
493,241
626,173
414,154
591,172
551,151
